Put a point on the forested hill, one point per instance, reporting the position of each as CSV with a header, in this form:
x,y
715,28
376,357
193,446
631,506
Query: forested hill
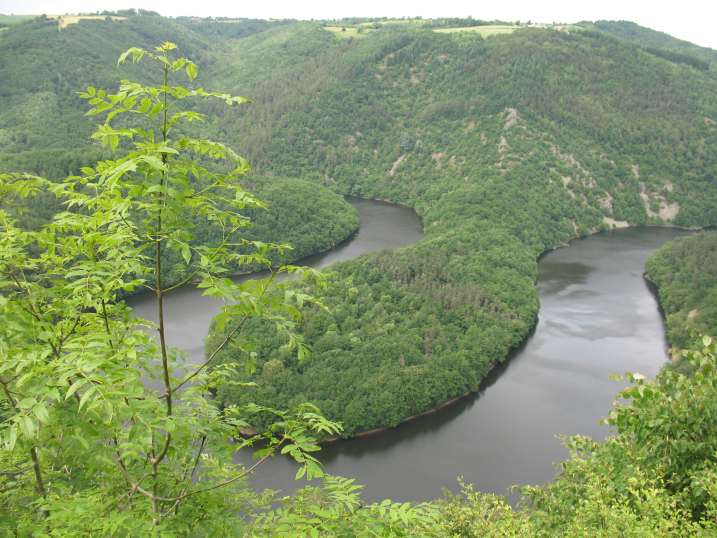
x,y
685,273
43,127
506,145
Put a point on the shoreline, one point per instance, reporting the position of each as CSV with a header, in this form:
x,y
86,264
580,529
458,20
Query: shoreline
x,y
655,292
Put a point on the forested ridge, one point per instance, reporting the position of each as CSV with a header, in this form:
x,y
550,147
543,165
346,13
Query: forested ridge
x,y
44,129
658,43
506,147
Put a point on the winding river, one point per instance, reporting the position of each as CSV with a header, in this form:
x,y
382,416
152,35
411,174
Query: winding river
x,y
597,317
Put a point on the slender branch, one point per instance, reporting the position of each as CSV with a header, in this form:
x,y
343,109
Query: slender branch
x,y
107,324
160,305
196,459
38,473
40,483
8,394
64,337
211,357
33,309
226,340
161,328
35,312
204,490
122,465
158,459
200,192
13,474
191,475
226,482
27,292
158,259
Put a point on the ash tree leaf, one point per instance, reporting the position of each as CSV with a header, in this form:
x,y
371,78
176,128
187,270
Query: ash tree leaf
x,y
191,70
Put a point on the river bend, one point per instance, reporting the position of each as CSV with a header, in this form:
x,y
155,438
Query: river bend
x,y
597,317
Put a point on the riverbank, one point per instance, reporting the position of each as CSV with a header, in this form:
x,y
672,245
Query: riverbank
x,y
683,277
382,226
672,352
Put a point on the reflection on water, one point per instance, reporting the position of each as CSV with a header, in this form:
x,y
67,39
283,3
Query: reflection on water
x,y
597,317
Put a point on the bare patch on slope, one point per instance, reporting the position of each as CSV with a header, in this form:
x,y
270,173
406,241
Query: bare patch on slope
x,y
396,164
666,212
612,223
511,118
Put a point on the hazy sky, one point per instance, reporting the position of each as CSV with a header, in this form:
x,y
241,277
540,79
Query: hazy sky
x,y
693,20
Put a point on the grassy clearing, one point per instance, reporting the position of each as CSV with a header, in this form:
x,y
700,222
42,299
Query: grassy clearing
x,y
399,21
9,20
568,28
484,31
345,32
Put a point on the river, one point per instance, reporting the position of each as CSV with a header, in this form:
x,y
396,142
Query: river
x,y
597,317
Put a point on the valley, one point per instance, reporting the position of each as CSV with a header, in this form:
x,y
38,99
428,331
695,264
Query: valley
x,y
486,212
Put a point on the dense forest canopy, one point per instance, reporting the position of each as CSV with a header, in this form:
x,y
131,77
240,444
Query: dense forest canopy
x,y
657,42
507,146
685,274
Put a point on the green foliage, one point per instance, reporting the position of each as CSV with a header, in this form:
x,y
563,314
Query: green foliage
x,y
105,430
685,274
335,509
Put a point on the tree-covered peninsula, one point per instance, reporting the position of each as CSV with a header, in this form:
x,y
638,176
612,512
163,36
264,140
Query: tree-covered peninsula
x,y
506,146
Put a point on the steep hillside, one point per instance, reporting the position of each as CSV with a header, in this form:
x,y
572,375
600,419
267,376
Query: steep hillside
x,y
43,128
